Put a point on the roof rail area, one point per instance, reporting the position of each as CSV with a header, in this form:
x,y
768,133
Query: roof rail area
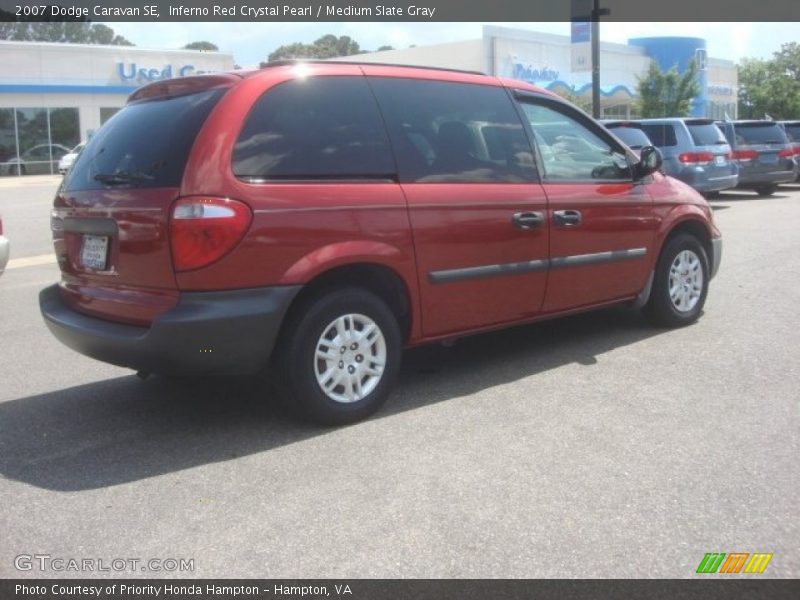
x,y
296,61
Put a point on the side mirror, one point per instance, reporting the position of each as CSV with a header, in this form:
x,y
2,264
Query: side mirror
x,y
650,161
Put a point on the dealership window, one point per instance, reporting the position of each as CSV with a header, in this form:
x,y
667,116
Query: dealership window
x,y
618,111
721,110
106,112
32,140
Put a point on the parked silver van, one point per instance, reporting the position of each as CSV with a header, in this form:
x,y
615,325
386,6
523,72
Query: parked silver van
x,y
695,151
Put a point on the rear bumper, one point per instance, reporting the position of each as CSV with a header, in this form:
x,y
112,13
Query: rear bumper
x,y
706,182
207,332
749,180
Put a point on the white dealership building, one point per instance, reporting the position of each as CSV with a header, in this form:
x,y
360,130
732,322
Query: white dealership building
x,y
54,95
556,63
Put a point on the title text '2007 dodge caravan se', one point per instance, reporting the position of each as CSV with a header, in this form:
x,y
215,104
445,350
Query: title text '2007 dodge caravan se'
x,y
325,215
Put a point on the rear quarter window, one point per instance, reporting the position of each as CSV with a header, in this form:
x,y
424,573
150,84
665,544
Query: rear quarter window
x,y
661,134
146,144
315,128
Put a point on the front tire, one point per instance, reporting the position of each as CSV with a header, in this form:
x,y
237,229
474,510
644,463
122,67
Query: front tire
x,y
340,356
680,284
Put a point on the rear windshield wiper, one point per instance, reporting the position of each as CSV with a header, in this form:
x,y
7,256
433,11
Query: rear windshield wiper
x,y
122,177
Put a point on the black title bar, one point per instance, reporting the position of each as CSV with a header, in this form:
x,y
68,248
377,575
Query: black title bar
x,y
268,11
385,589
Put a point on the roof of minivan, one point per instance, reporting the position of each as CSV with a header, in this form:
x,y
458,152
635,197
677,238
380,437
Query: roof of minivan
x,y
749,122
674,120
437,73
297,61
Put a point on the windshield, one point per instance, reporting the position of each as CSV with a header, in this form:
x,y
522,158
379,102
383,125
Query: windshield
x,y
146,144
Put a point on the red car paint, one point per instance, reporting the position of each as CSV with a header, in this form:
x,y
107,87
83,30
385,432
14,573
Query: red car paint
x,y
300,231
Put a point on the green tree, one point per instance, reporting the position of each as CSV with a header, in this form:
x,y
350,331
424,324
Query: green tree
x,y
667,93
771,87
382,48
202,45
67,32
328,46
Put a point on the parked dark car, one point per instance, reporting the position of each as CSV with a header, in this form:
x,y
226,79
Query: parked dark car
x,y
630,133
763,153
695,151
326,215
792,131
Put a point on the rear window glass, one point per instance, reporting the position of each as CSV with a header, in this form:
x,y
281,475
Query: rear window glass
x,y
706,134
759,133
793,133
661,134
146,144
315,128
454,132
633,136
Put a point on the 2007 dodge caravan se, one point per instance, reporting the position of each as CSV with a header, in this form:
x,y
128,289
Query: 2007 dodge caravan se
x,y
322,216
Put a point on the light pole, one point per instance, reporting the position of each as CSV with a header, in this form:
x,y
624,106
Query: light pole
x,y
597,12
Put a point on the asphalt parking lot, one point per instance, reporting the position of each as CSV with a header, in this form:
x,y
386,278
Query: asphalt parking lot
x,y
594,446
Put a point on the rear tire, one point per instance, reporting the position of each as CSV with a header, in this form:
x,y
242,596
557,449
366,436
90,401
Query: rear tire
x,y
339,356
680,284
766,190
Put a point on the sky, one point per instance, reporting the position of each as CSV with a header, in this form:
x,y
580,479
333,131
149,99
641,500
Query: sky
x,y
250,43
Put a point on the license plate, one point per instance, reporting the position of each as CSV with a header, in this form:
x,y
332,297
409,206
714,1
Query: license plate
x,y
769,159
94,251
720,160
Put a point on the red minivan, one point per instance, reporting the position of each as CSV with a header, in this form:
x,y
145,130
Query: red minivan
x,y
321,216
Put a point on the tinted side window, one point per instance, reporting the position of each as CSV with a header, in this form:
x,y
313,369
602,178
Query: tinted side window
x,y
454,132
571,151
315,128
661,134
145,144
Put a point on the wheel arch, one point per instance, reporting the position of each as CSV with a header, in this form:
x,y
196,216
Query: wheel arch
x,y
692,223
383,281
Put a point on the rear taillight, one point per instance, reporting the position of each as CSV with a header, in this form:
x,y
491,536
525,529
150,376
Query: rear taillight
x,y
745,155
202,230
696,158
787,153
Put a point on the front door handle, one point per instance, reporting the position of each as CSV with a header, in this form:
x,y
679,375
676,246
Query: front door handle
x,y
567,218
528,220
